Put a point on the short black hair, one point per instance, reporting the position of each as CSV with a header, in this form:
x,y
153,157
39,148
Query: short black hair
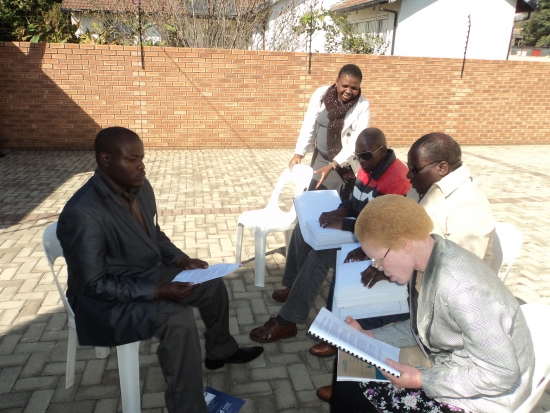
x,y
351,70
438,146
373,137
108,139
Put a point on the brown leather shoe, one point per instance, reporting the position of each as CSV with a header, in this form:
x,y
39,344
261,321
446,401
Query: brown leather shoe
x,y
323,350
325,393
281,295
271,331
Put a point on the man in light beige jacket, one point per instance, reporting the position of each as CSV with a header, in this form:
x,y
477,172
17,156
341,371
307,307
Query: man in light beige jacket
x,y
444,186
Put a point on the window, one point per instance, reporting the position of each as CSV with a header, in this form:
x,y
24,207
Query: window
x,y
377,26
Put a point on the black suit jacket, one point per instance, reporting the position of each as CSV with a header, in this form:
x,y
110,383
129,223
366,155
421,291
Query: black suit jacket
x,y
112,264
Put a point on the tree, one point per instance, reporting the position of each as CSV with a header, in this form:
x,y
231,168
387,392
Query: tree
x,y
35,20
339,34
536,30
225,24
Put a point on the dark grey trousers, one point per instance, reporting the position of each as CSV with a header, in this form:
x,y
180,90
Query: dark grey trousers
x,y
179,351
305,271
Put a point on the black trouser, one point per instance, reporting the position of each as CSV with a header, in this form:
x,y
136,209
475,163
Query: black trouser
x,y
179,351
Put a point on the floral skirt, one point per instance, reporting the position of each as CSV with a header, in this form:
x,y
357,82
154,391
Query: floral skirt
x,y
388,399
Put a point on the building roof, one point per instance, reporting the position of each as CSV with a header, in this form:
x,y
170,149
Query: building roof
x,y
525,6
153,6
348,5
108,5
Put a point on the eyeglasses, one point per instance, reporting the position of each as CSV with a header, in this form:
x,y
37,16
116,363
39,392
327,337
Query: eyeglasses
x,y
366,156
378,264
416,170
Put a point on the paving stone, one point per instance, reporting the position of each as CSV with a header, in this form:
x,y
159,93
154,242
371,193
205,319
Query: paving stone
x,y
106,406
8,377
9,342
268,373
13,360
93,373
39,401
79,406
36,383
14,400
300,377
248,389
35,364
153,400
284,394
97,392
63,394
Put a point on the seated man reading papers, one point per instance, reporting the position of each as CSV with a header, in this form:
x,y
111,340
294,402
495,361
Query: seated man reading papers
x,y
381,173
121,265
444,186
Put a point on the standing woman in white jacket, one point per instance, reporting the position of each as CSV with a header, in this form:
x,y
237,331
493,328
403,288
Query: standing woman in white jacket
x,y
336,115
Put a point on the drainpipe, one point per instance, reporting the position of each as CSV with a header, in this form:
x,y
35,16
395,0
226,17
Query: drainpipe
x,y
395,14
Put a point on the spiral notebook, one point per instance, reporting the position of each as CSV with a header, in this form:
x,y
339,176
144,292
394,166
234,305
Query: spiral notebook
x,y
331,329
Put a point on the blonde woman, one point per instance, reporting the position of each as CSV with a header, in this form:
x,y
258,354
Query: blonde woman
x,y
463,316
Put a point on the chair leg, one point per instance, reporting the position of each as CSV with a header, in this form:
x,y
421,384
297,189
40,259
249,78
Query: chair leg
x,y
71,358
102,352
259,257
288,237
128,371
239,243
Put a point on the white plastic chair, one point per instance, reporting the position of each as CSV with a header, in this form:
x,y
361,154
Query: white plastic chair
x,y
271,218
507,244
537,316
128,354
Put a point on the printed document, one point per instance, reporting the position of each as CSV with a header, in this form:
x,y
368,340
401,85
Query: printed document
x,y
200,275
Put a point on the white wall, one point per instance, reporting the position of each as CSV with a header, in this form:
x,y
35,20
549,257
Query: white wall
x,y
438,28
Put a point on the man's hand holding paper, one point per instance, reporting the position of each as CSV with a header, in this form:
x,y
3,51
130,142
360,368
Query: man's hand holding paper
x,y
200,274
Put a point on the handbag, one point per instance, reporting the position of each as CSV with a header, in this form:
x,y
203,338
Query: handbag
x,y
346,173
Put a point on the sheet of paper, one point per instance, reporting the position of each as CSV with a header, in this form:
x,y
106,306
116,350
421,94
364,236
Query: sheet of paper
x,y
212,272
353,369
336,332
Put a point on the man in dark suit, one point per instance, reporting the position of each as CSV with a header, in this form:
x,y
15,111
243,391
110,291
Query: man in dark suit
x,y
121,265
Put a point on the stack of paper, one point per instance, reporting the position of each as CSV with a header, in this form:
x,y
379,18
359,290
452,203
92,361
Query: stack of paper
x,y
351,298
309,207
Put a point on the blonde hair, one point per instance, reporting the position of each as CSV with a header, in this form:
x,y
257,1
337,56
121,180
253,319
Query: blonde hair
x,y
388,220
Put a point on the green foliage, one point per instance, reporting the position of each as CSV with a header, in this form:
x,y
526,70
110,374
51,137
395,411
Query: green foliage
x,y
536,30
339,34
35,21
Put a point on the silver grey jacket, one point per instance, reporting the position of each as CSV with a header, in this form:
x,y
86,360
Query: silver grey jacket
x,y
479,342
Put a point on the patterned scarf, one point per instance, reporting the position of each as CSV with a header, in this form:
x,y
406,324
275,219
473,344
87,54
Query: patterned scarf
x,y
336,113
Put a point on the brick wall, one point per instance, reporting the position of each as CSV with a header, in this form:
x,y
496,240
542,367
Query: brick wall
x,y
60,96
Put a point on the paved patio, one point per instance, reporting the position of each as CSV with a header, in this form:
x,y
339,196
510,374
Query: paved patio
x,y
200,194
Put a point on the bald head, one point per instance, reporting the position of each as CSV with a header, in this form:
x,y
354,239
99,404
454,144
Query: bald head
x,y
372,138
111,140
438,146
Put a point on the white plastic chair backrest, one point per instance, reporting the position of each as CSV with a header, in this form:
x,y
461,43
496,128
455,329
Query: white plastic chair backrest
x,y
53,251
537,316
507,244
301,177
